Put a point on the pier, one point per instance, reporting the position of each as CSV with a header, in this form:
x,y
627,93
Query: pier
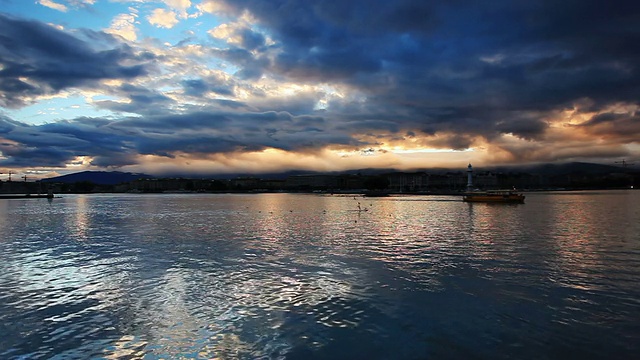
x,y
48,195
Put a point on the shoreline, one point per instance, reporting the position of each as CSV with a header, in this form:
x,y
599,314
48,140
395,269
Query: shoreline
x,y
25,196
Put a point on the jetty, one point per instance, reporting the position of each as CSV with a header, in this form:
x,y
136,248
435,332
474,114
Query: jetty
x,y
48,195
26,196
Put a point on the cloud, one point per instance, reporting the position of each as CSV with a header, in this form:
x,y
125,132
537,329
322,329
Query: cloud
x,y
505,81
420,51
29,146
251,67
124,25
238,35
83,2
60,6
139,100
614,126
53,5
199,88
46,60
214,7
168,18
181,6
163,18
209,131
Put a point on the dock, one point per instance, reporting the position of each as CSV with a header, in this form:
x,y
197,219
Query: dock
x,y
26,196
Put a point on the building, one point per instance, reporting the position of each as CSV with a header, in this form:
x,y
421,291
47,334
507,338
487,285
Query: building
x,y
312,182
402,182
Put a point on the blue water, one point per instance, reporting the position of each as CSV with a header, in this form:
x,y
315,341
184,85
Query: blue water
x,y
285,276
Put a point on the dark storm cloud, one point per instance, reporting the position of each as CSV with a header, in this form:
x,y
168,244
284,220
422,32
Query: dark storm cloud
x,y
115,143
201,87
209,132
251,67
56,144
423,57
195,87
251,39
141,100
52,60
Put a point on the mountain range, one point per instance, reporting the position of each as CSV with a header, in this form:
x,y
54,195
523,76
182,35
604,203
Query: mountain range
x,y
99,177
117,177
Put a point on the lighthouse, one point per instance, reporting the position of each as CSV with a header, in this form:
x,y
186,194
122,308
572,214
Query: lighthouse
x,y
469,178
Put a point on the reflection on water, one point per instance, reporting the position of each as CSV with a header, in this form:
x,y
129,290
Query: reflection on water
x,y
306,276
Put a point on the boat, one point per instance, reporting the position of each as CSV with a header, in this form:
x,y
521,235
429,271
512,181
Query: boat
x,y
495,196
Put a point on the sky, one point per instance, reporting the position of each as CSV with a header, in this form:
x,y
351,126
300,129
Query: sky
x,y
210,87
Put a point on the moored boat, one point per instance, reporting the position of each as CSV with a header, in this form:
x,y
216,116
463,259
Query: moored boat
x,y
494,196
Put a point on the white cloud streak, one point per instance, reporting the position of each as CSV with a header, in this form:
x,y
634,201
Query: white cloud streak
x,y
53,5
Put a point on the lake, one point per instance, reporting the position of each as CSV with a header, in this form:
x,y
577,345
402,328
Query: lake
x,y
301,276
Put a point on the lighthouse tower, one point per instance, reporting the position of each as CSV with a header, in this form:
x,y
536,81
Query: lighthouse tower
x,y
469,178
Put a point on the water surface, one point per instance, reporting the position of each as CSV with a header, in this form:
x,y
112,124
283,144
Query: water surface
x,y
286,276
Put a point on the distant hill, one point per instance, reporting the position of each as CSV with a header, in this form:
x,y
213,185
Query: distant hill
x,y
115,177
539,169
572,168
98,177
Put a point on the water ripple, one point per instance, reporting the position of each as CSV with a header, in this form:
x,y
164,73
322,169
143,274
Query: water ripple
x,y
303,276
